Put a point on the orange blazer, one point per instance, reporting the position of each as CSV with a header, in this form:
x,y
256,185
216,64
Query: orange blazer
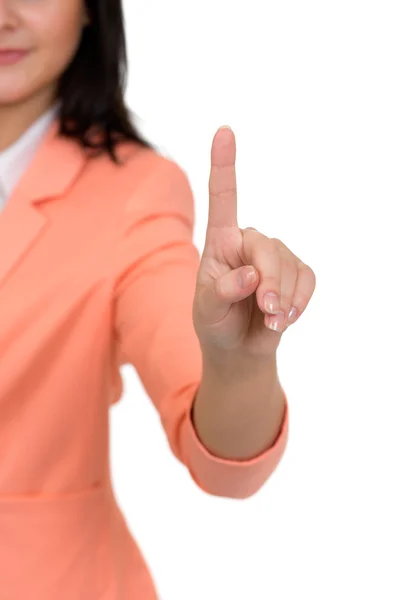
x,y
97,269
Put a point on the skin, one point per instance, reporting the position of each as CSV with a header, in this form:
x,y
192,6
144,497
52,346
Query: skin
x,y
50,30
239,408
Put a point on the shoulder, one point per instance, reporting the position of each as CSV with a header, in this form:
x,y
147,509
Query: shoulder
x,y
138,167
144,181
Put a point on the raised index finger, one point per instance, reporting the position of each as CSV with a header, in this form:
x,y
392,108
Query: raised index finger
x,y
222,210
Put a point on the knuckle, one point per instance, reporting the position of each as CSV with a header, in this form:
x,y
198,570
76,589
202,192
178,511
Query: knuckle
x,y
285,301
288,263
302,298
223,191
271,282
310,273
273,244
284,247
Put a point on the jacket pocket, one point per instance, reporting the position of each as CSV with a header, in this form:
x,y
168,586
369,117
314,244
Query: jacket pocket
x,y
55,546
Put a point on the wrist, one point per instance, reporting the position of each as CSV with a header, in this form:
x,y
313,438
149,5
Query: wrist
x,y
233,366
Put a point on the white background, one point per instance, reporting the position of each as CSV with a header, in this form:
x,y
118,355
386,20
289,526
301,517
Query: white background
x,y
312,92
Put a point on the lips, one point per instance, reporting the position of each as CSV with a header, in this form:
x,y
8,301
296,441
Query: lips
x,y
11,56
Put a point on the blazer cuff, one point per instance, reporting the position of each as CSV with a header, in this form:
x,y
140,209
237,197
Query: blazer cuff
x,y
231,478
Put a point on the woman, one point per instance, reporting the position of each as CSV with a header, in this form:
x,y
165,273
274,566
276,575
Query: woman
x,y
98,269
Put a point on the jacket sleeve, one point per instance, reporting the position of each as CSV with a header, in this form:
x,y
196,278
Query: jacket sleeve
x,y
154,285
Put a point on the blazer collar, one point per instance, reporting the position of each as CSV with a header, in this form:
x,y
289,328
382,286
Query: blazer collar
x,y
54,168
15,159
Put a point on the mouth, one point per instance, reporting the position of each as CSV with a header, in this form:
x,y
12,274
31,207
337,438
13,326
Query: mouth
x,y
11,56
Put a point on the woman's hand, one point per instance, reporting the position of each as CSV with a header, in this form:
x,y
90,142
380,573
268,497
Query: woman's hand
x,y
250,287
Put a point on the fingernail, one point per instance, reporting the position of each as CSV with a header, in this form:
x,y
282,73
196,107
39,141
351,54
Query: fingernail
x,y
246,277
292,316
224,127
276,322
271,303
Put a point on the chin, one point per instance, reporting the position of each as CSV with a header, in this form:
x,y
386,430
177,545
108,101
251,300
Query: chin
x,y
11,99
15,92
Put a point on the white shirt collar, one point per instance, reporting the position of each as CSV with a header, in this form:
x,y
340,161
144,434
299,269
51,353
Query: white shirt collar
x,y
15,159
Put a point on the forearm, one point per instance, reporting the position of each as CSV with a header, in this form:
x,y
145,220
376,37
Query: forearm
x,y
239,408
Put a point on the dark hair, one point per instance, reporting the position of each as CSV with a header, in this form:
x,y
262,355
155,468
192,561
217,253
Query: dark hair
x,y
91,90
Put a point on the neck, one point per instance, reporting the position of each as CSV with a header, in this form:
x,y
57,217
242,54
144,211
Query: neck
x,y
16,118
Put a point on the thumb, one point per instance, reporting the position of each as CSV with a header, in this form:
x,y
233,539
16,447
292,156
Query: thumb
x,y
227,289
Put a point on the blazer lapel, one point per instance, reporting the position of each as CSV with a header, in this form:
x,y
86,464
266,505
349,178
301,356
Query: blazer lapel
x,y
53,169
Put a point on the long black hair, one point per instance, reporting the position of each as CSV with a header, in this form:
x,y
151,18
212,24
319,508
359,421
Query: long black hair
x,y
91,90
